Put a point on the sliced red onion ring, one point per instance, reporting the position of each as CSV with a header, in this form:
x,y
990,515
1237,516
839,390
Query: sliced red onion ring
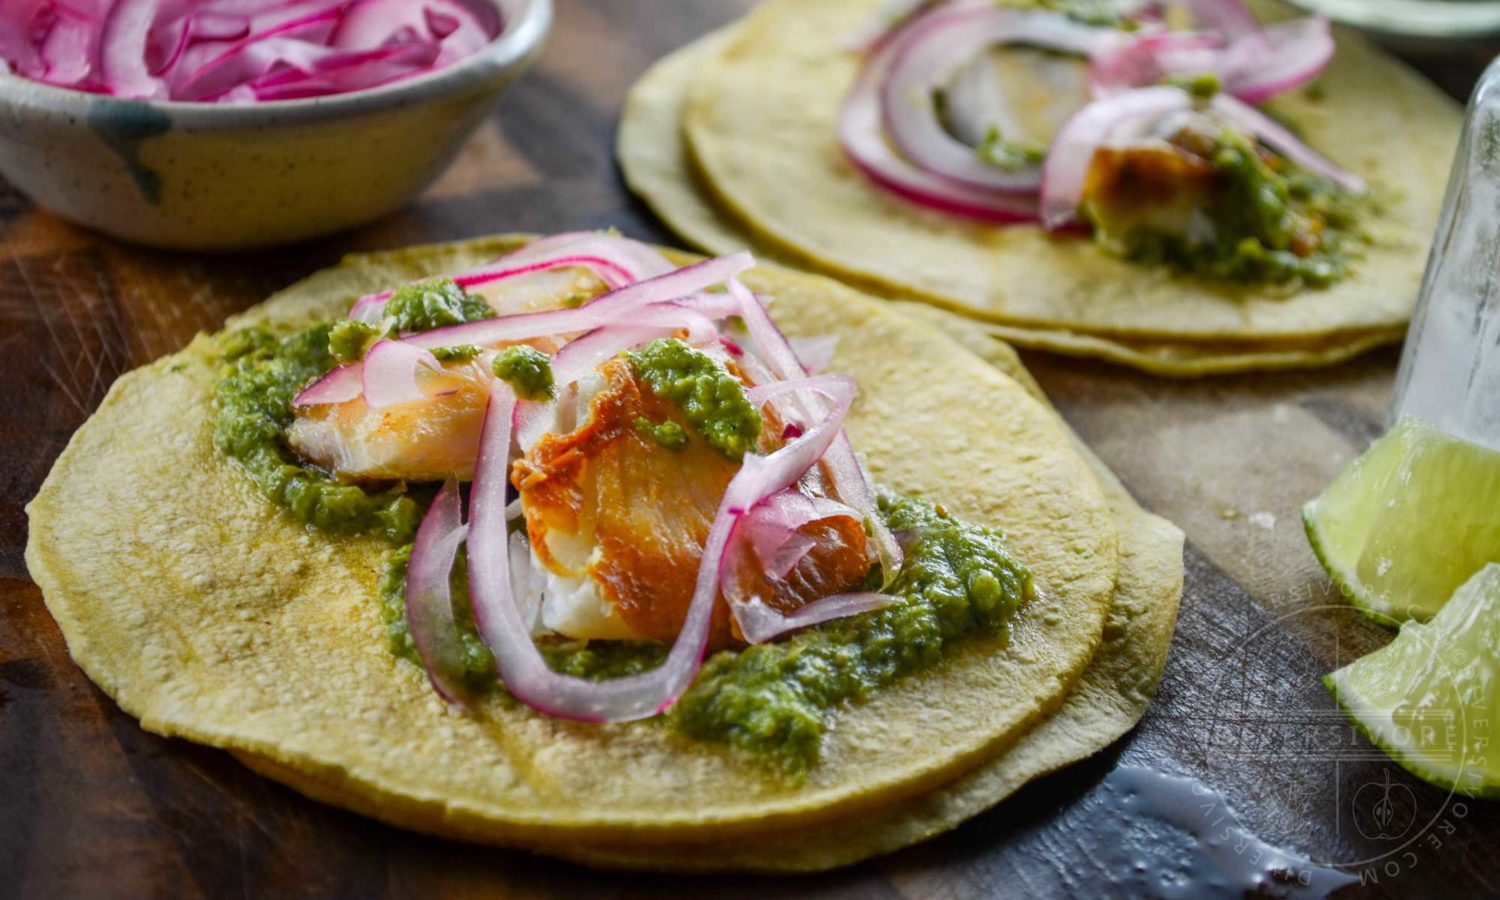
x,y
760,623
851,483
237,51
371,307
815,353
123,50
641,259
340,385
1278,138
862,136
624,305
429,598
503,626
1067,167
924,61
1265,63
390,373
611,308
772,527
1254,67
1126,118
1144,61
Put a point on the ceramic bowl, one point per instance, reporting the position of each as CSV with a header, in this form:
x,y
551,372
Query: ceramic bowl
x,y
203,176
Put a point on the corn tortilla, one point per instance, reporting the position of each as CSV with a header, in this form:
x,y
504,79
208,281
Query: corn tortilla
x,y
760,125
1108,700
211,615
655,164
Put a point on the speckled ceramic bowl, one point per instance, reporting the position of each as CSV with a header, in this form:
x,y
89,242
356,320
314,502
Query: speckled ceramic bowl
x,y
203,176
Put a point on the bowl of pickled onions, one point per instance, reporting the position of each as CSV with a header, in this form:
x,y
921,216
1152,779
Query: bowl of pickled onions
x,y
233,124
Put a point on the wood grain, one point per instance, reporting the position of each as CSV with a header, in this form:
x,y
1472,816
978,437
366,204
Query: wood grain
x,y
92,806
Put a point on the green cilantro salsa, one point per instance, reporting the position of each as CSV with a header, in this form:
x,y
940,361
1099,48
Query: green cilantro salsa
x,y
1223,209
774,701
669,434
422,306
1007,155
438,303
253,403
264,372
526,369
711,399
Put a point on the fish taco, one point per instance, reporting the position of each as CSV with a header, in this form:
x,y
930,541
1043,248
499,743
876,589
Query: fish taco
x,y
564,543
1166,186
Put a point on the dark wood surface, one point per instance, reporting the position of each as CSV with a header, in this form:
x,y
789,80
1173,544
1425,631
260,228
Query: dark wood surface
x,y
92,806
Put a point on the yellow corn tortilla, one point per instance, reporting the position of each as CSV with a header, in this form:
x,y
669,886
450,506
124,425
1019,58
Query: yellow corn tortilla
x,y
211,615
655,164
760,126
1108,700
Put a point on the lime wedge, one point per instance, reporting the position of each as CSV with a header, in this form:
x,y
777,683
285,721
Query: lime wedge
x,y
1430,697
1408,522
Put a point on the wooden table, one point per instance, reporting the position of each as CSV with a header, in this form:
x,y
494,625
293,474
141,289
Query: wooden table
x,y
92,806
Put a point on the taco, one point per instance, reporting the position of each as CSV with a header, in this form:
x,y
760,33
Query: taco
x,y
739,135
884,575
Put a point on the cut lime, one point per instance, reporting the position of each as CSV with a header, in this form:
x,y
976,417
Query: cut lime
x,y
1409,521
1430,697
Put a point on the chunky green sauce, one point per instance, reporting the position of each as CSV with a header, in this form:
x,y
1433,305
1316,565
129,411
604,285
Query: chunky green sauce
x,y
526,369
1007,155
253,404
669,434
438,303
263,373
774,701
1264,224
711,399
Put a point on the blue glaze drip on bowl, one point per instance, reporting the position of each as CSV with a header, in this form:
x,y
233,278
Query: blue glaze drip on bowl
x,y
123,125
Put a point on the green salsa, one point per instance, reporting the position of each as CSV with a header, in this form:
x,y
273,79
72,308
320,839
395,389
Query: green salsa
x,y
773,701
1254,219
669,434
1007,155
456,353
711,399
438,303
253,403
526,369
263,373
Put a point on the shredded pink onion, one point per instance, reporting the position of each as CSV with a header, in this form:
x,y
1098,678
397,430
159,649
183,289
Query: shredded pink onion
x,y
504,629
1274,135
1254,66
429,599
238,50
760,623
390,371
850,480
371,307
862,136
1067,166
815,353
1128,117
925,59
772,527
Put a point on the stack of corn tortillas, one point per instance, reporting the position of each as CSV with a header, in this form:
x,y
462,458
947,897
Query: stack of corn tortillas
x,y
732,141
212,615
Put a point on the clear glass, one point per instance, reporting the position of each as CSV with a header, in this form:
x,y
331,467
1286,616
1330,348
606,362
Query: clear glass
x,y
1415,18
1450,367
